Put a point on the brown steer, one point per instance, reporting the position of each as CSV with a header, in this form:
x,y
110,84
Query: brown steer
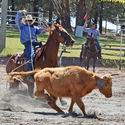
x,y
72,81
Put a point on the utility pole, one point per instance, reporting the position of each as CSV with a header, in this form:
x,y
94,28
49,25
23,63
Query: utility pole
x,y
4,8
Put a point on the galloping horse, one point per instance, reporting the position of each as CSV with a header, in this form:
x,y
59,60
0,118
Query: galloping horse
x,y
89,50
49,57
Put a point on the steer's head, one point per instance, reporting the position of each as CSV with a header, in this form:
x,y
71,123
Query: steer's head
x,y
104,84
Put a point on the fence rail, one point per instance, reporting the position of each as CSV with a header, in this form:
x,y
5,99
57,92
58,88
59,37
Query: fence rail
x,y
12,14
113,45
116,49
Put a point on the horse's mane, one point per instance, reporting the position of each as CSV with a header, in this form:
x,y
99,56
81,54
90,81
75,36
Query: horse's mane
x,y
50,30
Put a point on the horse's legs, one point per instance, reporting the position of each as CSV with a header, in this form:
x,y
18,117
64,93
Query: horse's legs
x,y
52,103
84,60
88,59
71,105
82,55
80,105
30,88
81,58
94,61
14,84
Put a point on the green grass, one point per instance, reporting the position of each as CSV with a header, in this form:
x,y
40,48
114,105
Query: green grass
x,y
13,45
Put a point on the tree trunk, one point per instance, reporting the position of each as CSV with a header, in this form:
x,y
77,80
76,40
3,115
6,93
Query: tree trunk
x,y
36,9
80,12
105,26
96,15
63,12
101,17
66,17
50,11
13,8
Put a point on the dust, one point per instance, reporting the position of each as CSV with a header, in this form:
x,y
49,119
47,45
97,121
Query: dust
x,y
19,100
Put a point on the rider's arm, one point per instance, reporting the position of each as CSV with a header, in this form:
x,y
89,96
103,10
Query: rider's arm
x,y
86,29
98,34
40,30
18,18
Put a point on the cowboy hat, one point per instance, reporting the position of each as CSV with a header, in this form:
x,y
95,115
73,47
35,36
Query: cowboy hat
x,y
28,17
93,24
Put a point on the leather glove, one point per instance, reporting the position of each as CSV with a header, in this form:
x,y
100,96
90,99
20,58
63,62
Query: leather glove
x,y
24,12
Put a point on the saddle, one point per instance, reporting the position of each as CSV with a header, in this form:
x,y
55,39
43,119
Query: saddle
x,y
39,52
20,58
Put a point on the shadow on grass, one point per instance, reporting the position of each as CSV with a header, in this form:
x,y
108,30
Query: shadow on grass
x,y
12,34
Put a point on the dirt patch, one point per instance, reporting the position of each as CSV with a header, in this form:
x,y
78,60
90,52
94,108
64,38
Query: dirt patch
x,y
4,59
17,108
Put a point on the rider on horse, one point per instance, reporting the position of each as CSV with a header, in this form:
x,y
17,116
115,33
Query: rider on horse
x,y
95,34
28,37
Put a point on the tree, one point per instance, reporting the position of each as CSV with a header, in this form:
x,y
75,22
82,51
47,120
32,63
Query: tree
x,y
80,11
101,16
63,12
50,11
98,10
120,1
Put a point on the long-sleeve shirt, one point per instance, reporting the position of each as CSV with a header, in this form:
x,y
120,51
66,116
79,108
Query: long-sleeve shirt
x,y
25,29
90,31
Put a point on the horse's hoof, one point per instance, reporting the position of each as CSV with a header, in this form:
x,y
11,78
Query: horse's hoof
x,y
31,95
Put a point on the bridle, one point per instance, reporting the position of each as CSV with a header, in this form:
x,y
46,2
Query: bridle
x,y
66,37
90,41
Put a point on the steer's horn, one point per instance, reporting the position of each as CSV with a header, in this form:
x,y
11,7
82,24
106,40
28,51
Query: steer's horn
x,y
114,74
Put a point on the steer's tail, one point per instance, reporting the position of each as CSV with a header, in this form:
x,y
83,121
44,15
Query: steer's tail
x,y
12,74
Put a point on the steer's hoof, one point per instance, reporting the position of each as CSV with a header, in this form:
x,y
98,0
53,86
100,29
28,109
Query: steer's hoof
x,y
63,102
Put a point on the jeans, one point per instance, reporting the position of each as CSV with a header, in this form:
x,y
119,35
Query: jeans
x,y
30,54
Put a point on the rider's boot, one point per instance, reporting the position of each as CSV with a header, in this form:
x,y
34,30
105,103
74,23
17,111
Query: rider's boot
x,y
99,56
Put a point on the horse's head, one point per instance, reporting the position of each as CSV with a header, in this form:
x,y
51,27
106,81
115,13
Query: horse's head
x,y
90,40
62,36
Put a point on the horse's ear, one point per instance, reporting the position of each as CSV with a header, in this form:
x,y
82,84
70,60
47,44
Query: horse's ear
x,y
48,29
56,26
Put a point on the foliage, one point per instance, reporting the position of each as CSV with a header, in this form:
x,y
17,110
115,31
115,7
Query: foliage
x,y
120,1
111,10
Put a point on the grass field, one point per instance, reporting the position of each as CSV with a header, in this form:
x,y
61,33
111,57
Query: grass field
x,y
13,46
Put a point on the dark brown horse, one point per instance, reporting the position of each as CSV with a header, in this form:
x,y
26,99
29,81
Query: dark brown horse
x,y
89,51
49,58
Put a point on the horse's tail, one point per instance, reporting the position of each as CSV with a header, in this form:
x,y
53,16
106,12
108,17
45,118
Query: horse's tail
x,y
12,74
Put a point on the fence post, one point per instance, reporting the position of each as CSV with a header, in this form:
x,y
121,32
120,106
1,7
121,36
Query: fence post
x,y
120,50
3,24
